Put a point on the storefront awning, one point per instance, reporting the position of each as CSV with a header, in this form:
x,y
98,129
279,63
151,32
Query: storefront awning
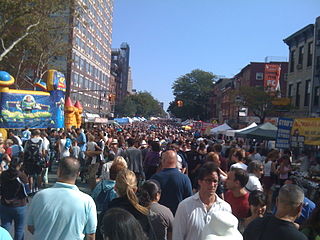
x,y
90,117
100,120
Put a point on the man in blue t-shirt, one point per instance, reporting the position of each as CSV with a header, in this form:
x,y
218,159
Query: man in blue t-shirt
x,y
175,186
63,211
308,205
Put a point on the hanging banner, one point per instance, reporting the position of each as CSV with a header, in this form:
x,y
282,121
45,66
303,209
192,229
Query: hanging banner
x,y
283,133
305,131
272,78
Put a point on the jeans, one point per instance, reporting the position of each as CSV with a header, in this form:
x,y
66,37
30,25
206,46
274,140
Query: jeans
x,y
16,214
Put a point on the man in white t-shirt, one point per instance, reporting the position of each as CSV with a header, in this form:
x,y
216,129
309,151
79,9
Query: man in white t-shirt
x,y
46,144
255,170
195,212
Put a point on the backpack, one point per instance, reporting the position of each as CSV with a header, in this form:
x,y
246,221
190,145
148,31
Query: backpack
x,y
104,198
14,189
52,143
68,143
32,153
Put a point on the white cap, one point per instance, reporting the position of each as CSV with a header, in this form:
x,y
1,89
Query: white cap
x,y
223,226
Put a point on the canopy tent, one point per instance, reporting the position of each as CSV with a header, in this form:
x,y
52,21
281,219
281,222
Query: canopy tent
x,y
266,131
187,122
125,120
231,133
220,128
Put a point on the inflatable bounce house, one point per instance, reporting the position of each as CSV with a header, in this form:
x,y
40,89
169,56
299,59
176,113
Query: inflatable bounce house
x,y
72,114
41,108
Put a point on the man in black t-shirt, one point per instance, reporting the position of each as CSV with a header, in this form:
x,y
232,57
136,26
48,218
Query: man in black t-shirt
x,y
281,226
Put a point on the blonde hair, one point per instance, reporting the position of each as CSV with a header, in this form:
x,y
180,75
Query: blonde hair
x,y
120,160
126,185
9,142
91,137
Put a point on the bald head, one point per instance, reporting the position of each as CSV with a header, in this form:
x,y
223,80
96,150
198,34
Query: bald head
x,y
68,168
169,159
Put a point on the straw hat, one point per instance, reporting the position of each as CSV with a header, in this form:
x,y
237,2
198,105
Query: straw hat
x,y
114,141
223,226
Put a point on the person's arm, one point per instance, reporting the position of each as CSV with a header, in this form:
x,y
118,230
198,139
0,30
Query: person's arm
x,y
91,224
222,173
283,170
97,148
141,165
196,168
91,236
188,188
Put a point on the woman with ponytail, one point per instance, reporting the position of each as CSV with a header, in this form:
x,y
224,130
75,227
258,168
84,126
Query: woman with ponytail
x,y
126,188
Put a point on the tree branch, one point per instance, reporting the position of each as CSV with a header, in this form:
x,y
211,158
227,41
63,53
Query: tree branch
x,y
2,43
6,51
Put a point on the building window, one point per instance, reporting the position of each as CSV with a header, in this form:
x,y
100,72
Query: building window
x,y
80,81
76,61
290,90
300,59
292,60
310,50
81,64
298,94
75,79
316,96
307,92
259,76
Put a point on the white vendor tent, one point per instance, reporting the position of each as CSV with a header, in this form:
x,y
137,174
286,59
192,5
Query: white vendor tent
x,y
231,133
220,129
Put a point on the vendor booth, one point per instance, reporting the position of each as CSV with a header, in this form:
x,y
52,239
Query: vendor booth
x,y
266,131
219,129
231,133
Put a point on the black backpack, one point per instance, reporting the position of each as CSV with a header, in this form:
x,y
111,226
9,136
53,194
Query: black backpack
x,y
32,153
14,189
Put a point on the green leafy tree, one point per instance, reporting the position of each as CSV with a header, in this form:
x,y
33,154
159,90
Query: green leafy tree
x,y
140,104
258,102
194,90
34,34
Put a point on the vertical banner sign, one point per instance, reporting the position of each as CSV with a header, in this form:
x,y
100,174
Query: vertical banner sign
x,y
305,131
272,78
283,133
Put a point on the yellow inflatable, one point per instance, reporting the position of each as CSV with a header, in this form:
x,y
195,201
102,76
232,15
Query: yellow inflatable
x,y
72,114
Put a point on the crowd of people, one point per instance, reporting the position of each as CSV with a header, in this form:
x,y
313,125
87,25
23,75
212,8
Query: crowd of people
x,y
149,181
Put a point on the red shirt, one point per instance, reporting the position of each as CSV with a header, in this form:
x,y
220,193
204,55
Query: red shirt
x,y
239,205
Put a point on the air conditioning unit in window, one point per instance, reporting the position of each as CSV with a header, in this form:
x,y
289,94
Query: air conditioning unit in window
x,y
299,66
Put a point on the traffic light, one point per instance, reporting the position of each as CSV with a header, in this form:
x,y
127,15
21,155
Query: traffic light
x,y
180,103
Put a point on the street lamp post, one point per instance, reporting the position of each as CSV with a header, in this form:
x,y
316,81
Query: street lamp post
x,y
238,102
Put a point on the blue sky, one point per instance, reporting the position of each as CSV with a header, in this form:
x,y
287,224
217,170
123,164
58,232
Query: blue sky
x,y
169,38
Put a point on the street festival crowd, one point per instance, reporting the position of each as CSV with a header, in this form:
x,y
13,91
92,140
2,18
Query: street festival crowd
x,y
152,180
